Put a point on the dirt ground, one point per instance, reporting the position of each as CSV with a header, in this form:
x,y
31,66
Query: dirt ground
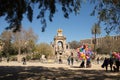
x,y
54,71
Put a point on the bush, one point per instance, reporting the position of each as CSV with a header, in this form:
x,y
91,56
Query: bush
x,y
36,57
28,57
13,58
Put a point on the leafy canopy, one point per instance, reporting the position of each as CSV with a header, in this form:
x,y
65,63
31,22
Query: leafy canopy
x,y
96,29
14,10
107,11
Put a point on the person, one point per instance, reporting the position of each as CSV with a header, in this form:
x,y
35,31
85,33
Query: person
x,y
105,63
117,62
72,59
8,59
114,68
24,61
60,60
88,63
98,60
68,59
82,65
111,63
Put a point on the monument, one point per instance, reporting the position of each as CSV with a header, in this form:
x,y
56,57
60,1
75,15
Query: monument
x,y
60,46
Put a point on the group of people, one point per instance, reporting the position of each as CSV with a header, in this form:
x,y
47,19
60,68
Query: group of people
x,y
112,62
70,59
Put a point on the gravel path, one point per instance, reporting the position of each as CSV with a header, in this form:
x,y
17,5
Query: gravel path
x,y
51,71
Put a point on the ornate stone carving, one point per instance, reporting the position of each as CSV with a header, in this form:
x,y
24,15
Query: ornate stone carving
x,y
59,43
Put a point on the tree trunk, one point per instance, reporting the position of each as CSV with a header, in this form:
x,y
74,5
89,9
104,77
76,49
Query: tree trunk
x,y
95,41
18,56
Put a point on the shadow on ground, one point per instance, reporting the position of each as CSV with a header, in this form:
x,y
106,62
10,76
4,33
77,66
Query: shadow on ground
x,y
44,73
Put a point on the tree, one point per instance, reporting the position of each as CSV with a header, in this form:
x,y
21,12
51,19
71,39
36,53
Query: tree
x,y
18,41
15,10
74,44
24,40
1,47
44,49
6,37
108,11
95,30
30,40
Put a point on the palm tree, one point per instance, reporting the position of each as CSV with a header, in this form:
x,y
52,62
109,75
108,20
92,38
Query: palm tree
x,y
96,29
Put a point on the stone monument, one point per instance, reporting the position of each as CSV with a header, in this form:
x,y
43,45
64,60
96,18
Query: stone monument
x,y
60,46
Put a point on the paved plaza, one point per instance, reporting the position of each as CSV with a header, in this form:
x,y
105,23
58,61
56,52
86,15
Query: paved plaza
x,y
54,71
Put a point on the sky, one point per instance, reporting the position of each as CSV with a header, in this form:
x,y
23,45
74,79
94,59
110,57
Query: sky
x,y
75,28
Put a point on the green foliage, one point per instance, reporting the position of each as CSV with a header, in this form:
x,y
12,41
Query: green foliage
x,y
14,43
1,53
108,12
99,50
28,57
14,12
96,29
13,58
44,49
36,56
6,38
24,41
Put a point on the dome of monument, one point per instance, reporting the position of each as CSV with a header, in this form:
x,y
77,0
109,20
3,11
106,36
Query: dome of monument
x,y
59,30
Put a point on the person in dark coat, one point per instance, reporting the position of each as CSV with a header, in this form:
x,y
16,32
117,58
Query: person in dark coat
x,y
111,63
105,63
117,63
82,65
